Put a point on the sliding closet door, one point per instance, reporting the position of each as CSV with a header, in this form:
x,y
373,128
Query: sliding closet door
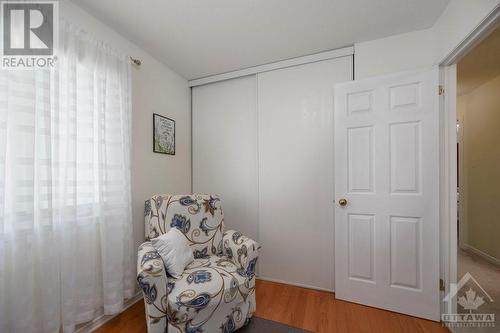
x,y
296,226
225,149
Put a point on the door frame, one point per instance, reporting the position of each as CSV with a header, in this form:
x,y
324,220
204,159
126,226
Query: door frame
x,y
448,155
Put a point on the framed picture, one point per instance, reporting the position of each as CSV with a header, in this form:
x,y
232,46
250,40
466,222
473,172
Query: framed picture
x,y
163,135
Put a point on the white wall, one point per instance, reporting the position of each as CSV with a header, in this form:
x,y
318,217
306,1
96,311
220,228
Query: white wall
x,y
155,88
423,48
457,21
225,149
479,112
393,54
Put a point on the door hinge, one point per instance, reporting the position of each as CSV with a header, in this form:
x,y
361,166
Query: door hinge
x,y
441,90
441,284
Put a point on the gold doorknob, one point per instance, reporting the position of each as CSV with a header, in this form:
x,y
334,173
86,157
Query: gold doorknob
x,y
343,202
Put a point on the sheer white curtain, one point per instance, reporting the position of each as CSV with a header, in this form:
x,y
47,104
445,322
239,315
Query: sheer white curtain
x,y
66,249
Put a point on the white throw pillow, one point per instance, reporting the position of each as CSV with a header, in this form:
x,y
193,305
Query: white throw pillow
x,y
174,249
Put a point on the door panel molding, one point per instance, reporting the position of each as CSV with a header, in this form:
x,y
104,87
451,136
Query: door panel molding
x,y
387,167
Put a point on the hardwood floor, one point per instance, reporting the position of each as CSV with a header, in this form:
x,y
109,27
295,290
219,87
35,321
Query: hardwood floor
x,y
319,311
131,320
312,310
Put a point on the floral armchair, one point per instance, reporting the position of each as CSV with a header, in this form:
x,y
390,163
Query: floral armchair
x,y
216,292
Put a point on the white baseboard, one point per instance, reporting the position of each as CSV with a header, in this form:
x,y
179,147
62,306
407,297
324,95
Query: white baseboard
x,y
103,319
479,253
295,284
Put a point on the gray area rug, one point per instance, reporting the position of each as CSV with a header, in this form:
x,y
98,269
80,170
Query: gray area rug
x,y
259,325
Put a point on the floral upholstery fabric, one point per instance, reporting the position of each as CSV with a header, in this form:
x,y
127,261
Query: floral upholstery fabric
x,y
198,216
152,279
216,292
242,250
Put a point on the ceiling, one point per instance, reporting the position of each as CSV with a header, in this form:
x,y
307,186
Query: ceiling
x,y
480,65
198,38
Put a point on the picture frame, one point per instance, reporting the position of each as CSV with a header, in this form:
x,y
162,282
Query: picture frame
x,y
163,135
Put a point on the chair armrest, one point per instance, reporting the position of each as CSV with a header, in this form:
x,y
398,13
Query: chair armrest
x,y
152,279
242,251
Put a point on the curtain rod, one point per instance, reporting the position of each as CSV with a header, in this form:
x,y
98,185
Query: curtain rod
x,y
135,61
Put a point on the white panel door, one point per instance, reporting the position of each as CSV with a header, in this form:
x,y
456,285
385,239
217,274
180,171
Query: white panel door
x,y
387,168
225,149
296,179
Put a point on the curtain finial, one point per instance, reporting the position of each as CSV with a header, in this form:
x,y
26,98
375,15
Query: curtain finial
x,y
135,61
